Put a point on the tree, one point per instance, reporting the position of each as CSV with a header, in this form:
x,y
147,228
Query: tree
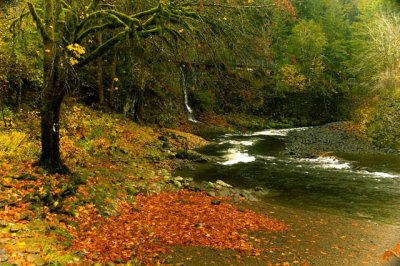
x,y
66,26
307,43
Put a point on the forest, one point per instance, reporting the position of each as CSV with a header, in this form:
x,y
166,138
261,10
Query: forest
x,y
188,132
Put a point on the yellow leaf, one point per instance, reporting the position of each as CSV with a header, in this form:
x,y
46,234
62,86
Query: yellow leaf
x,y
73,61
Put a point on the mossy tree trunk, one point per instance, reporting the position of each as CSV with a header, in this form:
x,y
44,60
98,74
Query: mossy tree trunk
x,y
100,84
55,21
53,92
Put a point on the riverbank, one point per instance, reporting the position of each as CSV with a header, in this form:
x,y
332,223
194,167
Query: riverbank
x,y
129,209
333,137
313,238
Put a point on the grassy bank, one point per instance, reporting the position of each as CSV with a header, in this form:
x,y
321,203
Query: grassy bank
x,y
119,205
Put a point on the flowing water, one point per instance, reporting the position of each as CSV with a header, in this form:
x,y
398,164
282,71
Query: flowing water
x,y
188,109
354,185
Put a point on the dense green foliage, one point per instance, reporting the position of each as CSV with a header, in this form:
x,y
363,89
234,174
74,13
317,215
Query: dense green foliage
x,y
304,62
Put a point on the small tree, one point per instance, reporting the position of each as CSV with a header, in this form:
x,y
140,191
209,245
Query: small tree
x,y
65,26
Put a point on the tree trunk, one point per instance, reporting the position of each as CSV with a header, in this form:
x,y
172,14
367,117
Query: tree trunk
x,y
100,85
50,117
113,73
52,98
19,94
139,107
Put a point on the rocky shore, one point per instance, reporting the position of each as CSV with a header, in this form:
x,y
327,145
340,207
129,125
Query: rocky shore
x,y
339,137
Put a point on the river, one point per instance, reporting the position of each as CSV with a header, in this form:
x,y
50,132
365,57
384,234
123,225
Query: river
x,y
364,186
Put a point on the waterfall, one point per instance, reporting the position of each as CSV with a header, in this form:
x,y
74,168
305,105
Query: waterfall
x,y
188,110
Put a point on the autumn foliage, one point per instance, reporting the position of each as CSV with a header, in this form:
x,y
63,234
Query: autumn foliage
x,y
144,229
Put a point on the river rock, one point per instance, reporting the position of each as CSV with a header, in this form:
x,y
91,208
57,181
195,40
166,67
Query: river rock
x,y
224,193
32,250
15,228
223,184
211,194
35,259
155,187
16,263
3,223
3,258
248,195
26,216
4,241
163,172
236,196
178,184
178,178
215,202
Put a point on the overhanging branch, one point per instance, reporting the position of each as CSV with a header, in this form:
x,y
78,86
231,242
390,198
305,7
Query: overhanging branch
x,y
102,49
38,21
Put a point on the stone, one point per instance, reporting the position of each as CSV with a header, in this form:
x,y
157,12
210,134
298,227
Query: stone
x,y
119,261
32,250
3,223
224,193
163,138
25,216
155,187
2,251
236,196
35,259
15,228
165,145
223,184
177,184
215,202
211,194
189,179
178,178
163,172
3,258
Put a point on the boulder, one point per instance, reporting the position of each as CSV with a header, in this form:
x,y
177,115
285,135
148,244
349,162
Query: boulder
x,y
223,184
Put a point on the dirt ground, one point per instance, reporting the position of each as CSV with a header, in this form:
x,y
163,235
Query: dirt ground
x,y
313,239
